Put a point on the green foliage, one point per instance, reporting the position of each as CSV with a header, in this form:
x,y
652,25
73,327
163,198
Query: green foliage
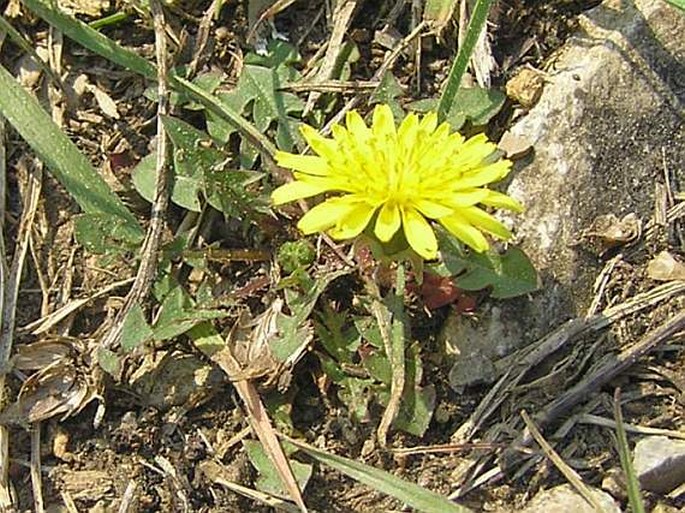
x,y
102,234
91,38
448,98
258,94
295,255
509,274
473,104
269,480
409,493
136,330
355,360
388,92
621,441
179,313
200,171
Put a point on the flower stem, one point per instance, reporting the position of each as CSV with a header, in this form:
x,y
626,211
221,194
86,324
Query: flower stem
x,y
478,19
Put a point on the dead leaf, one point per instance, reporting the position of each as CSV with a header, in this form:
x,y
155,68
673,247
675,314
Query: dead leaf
x,y
664,267
609,232
251,344
61,387
43,353
57,390
105,102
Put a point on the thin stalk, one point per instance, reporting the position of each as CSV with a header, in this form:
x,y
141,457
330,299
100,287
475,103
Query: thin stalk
x,y
478,19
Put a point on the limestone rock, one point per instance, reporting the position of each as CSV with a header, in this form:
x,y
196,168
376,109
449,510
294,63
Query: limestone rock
x,y
660,463
609,120
564,499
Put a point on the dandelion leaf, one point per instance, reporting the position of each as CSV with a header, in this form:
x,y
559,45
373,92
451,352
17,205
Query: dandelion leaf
x,y
509,274
199,171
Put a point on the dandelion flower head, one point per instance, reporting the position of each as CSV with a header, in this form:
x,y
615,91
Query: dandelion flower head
x,y
398,178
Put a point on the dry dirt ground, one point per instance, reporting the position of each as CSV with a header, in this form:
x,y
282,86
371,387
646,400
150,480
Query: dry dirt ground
x,y
156,441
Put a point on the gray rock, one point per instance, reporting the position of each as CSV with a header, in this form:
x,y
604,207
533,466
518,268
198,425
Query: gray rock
x,y
660,463
607,124
476,344
564,499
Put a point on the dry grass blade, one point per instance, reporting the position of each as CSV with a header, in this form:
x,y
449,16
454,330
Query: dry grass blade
x,y
218,474
342,18
596,420
212,345
558,462
10,290
44,324
36,480
149,251
127,500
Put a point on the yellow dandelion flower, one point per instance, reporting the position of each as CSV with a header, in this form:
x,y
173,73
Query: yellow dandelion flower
x,y
398,178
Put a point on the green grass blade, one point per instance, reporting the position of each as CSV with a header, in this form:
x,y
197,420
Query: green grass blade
x,y
478,19
105,47
91,38
632,483
61,155
410,493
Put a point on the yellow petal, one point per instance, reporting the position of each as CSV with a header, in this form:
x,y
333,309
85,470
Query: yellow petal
x,y
339,134
321,145
499,200
324,215
353,222
429,122
431,209
383,122
408,130
484,221
296,190
388,221
355,125
465,198
419,233
310,164
465,232
484,175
